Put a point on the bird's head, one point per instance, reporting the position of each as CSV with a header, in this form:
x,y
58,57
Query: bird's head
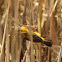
x,y
24,29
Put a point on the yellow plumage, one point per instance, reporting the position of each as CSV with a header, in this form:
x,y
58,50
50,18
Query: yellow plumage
x,y
37,33
24,29
42,38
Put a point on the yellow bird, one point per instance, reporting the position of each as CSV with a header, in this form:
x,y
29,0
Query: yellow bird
x,y
38,39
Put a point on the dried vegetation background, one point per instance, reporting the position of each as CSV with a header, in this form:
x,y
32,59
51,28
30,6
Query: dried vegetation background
x,y
44,16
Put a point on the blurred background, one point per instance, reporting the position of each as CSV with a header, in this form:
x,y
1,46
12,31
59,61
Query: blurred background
x,y
43,16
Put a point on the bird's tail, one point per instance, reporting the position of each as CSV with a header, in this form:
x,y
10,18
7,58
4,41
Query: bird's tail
x,y
47,42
